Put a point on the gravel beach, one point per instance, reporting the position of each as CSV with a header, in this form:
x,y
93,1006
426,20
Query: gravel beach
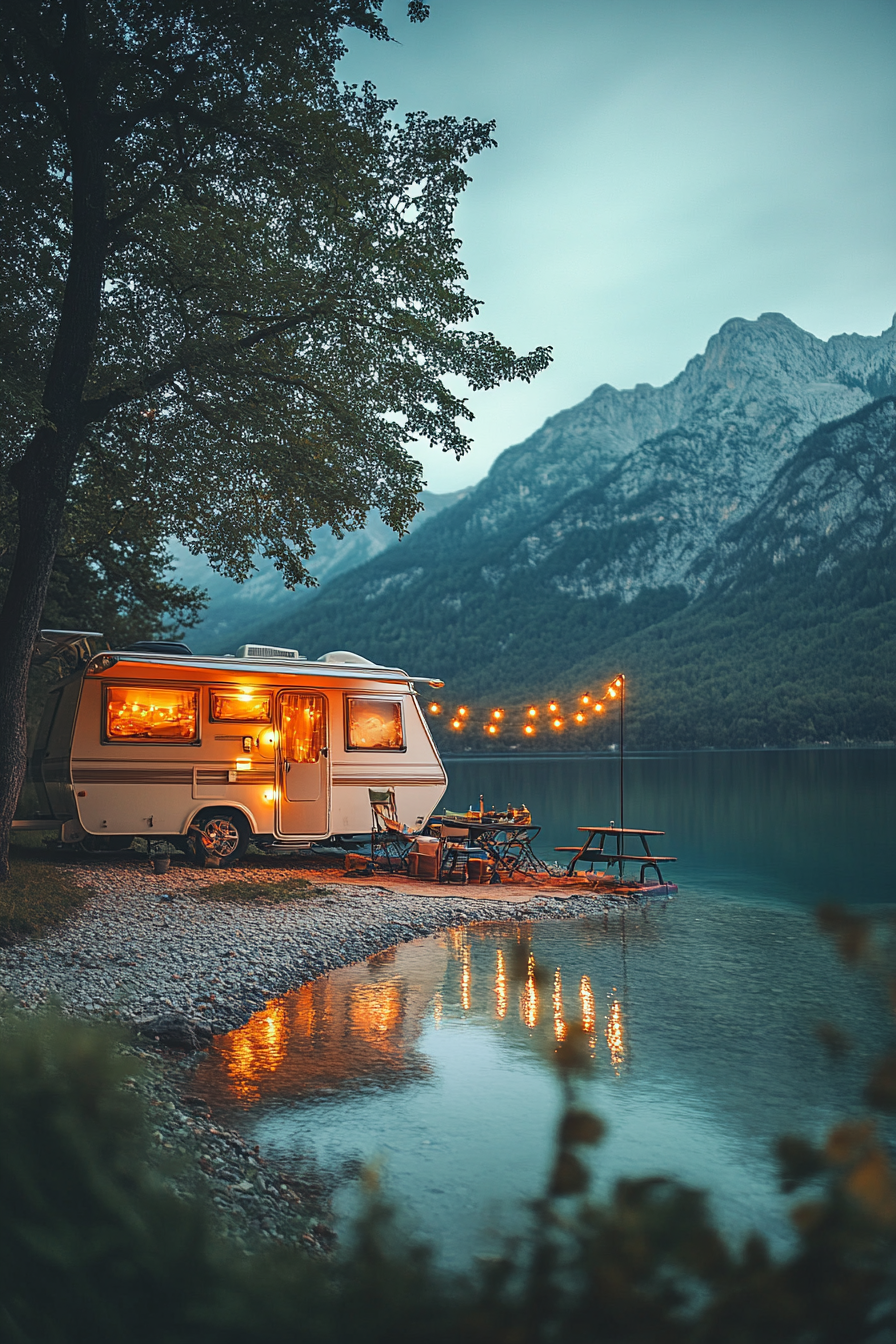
x,y
160,954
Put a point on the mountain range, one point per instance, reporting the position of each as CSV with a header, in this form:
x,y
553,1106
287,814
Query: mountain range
x,y
727,540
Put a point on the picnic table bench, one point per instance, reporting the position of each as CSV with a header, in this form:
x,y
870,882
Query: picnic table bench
x,y
587,853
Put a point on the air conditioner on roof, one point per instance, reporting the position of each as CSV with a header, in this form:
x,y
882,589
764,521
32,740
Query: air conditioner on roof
x,y
268,651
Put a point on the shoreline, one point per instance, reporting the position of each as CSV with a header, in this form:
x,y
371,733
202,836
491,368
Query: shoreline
x,y
153,955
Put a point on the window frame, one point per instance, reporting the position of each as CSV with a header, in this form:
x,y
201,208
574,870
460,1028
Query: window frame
x,y
220,690
398,700
109,686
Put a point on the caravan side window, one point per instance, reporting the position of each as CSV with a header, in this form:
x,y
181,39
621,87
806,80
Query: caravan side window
x,y
240,707
151,714
373,725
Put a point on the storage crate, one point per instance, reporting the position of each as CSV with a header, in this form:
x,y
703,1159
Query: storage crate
x,y
424,865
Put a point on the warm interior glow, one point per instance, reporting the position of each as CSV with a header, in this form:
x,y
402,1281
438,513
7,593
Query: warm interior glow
x,y
241,707
373,725
303,721
151,713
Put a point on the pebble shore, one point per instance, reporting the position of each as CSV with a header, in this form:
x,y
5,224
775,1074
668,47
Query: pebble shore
x,y
146,946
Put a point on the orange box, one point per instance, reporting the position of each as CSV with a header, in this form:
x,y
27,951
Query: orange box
x,y
424,865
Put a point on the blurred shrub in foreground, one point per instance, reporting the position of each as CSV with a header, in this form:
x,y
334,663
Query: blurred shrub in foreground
x,y
94,1247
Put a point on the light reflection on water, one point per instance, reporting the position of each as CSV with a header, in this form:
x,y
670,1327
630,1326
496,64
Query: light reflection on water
x,y
700,1016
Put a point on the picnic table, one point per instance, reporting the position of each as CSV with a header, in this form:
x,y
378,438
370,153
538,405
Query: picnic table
x,y
591,853
507,843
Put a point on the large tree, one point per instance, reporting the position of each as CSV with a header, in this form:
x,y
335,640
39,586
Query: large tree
x,y
231,290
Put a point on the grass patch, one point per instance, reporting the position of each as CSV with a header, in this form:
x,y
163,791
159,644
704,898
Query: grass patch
x,y
39,893
244,890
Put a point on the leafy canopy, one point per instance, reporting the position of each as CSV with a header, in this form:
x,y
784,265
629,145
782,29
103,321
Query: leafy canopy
x,y
283,307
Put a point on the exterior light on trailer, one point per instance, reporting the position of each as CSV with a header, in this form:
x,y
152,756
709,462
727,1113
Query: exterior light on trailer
x,y
270,795
244,764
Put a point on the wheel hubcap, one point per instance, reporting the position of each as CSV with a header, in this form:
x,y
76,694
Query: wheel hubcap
x,y
220,836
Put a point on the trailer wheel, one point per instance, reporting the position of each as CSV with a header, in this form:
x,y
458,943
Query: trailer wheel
x,y
217,838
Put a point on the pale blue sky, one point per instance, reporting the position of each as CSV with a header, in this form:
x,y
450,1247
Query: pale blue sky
x,y
661,168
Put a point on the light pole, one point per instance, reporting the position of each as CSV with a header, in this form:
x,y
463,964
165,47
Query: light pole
x,y
616,691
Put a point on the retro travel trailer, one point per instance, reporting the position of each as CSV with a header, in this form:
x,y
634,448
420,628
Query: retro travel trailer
x,y
212,752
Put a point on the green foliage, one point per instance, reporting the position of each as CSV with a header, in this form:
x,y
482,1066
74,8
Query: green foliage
x,y
39,893
281,297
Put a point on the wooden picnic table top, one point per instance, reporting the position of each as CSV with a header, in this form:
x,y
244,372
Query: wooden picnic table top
x,y
618,830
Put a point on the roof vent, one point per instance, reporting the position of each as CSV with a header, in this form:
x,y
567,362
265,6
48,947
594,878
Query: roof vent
x,y
269,652
343,656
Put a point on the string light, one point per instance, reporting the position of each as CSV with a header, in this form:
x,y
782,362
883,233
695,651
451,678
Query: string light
x,y
598,708
462,712
435,709
497,714
532,712
556,723
580,718
528,730
586,699
457,723
553,707
491,729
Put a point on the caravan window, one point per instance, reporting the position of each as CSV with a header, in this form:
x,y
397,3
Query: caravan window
x,y
373,725
240,707
303,727
151,714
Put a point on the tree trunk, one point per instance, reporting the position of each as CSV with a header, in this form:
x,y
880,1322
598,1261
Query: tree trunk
x,y
43,474
42,479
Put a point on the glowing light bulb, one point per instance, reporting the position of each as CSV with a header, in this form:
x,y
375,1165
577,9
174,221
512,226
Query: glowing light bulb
x,y
598,708
618,681
528,730
611,693
497,714
586,699
457,723
580,718
557,723
532,712
491,729
435,709
553,707
462,712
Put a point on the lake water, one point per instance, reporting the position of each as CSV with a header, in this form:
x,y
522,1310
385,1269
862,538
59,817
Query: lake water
x,y
434,1059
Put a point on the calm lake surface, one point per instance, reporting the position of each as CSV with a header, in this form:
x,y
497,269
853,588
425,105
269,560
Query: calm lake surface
x,y
434,1059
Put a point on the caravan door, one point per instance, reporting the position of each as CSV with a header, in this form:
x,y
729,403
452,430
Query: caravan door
x,y
304,765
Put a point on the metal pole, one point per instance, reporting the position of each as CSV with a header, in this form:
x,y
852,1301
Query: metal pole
x,y
622,773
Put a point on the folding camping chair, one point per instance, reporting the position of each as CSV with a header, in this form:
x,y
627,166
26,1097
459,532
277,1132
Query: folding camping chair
x,y
390,842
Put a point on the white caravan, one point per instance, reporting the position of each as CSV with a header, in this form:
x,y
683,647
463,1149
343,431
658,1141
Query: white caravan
x,y
221,750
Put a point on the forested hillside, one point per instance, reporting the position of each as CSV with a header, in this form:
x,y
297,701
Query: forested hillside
x,y
738,563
